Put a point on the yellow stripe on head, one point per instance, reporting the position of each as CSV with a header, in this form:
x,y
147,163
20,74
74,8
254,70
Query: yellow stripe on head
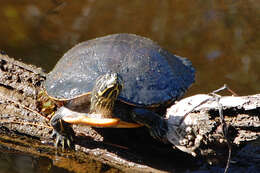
x,y
105,92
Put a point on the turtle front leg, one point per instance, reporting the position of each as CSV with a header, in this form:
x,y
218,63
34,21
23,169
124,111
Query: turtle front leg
x,y
62,130
64,118
156,124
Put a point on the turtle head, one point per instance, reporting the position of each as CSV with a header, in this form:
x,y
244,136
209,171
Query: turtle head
x,y
105,92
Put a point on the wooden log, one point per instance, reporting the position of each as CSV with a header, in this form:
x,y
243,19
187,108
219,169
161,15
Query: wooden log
x,y
201,133
24,128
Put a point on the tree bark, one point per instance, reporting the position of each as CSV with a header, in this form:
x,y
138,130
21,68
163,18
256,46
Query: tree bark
x,y
24,127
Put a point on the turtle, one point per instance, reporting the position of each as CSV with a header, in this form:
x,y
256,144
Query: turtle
x,y
116,81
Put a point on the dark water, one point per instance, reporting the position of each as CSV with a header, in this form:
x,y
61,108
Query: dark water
x,y
20,163
221,38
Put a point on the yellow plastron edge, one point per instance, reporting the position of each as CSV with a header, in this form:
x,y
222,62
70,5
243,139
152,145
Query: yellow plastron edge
x,y
99,122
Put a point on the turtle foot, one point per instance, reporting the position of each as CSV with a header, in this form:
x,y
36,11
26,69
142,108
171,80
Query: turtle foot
x,y
65,140
158,130
156,125
62,131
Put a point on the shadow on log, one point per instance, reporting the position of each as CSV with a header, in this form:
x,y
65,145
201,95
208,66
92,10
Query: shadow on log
x,y
23,128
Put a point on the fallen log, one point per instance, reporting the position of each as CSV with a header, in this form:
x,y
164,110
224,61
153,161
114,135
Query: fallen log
x,y
196,128
24,127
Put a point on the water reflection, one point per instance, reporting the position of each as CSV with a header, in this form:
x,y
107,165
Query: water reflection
x,y
216,36
20,163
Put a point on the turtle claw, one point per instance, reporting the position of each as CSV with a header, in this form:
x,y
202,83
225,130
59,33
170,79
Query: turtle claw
x,y
62,131
63,140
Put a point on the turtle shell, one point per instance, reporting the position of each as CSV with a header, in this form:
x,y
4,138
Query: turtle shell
x,y
151,75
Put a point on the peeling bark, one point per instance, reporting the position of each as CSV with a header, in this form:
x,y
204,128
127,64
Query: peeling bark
x,y
23,128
